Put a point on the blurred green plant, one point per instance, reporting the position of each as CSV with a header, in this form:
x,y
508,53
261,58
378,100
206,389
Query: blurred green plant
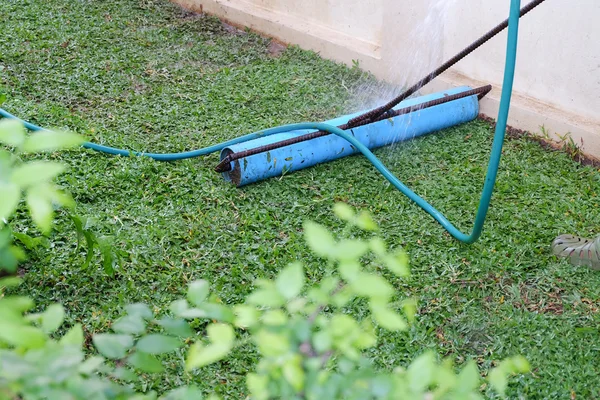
x,y
33,181
310,347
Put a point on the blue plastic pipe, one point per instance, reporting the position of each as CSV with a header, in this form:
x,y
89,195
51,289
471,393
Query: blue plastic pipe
x,y
332,147
496,154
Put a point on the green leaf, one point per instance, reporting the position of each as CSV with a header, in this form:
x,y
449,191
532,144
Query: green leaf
x,y
373,286
272,344
378,246
319,239
133,324
342,326
290,281
397,263
51,141
299,328
322,341
10,282
12,132
113,346
267,296
178,307
498,377
12,316
258,386
17,303
5,236
90,241
9,255
296,305
221,333
329,284
53,318
342,297
365,222
35,318
445,378
78,227
145,362
199,355
293,372
31,243
140,310
91,365
198,292
221,339
409,306
368,336
469,378
388,319
209,311
275,318
349,270
59,197
40,207
158,344
349,250
382,386
106,249
176,327
344,212
520,365
22,335
420,373
498,380
10,194
9,259
35,172
125,374
246,316
74,337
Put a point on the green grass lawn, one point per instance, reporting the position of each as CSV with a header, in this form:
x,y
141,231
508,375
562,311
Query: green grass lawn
x,y
144,75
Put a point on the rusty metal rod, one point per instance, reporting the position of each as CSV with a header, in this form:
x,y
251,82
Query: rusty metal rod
x,y
373,114
225,164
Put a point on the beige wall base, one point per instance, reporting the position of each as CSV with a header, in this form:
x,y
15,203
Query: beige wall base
x,y
531,115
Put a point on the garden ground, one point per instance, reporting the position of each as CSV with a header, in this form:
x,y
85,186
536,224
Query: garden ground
x,y
145,75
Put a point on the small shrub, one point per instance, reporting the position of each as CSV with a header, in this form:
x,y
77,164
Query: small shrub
x,y
32,181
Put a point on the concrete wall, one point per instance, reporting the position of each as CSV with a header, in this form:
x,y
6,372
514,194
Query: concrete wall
x,y
558,72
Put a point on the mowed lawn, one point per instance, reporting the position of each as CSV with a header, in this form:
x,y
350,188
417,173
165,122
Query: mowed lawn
x,y
145,75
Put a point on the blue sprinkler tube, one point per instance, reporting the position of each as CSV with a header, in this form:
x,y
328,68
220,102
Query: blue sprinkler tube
x,y
306,154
